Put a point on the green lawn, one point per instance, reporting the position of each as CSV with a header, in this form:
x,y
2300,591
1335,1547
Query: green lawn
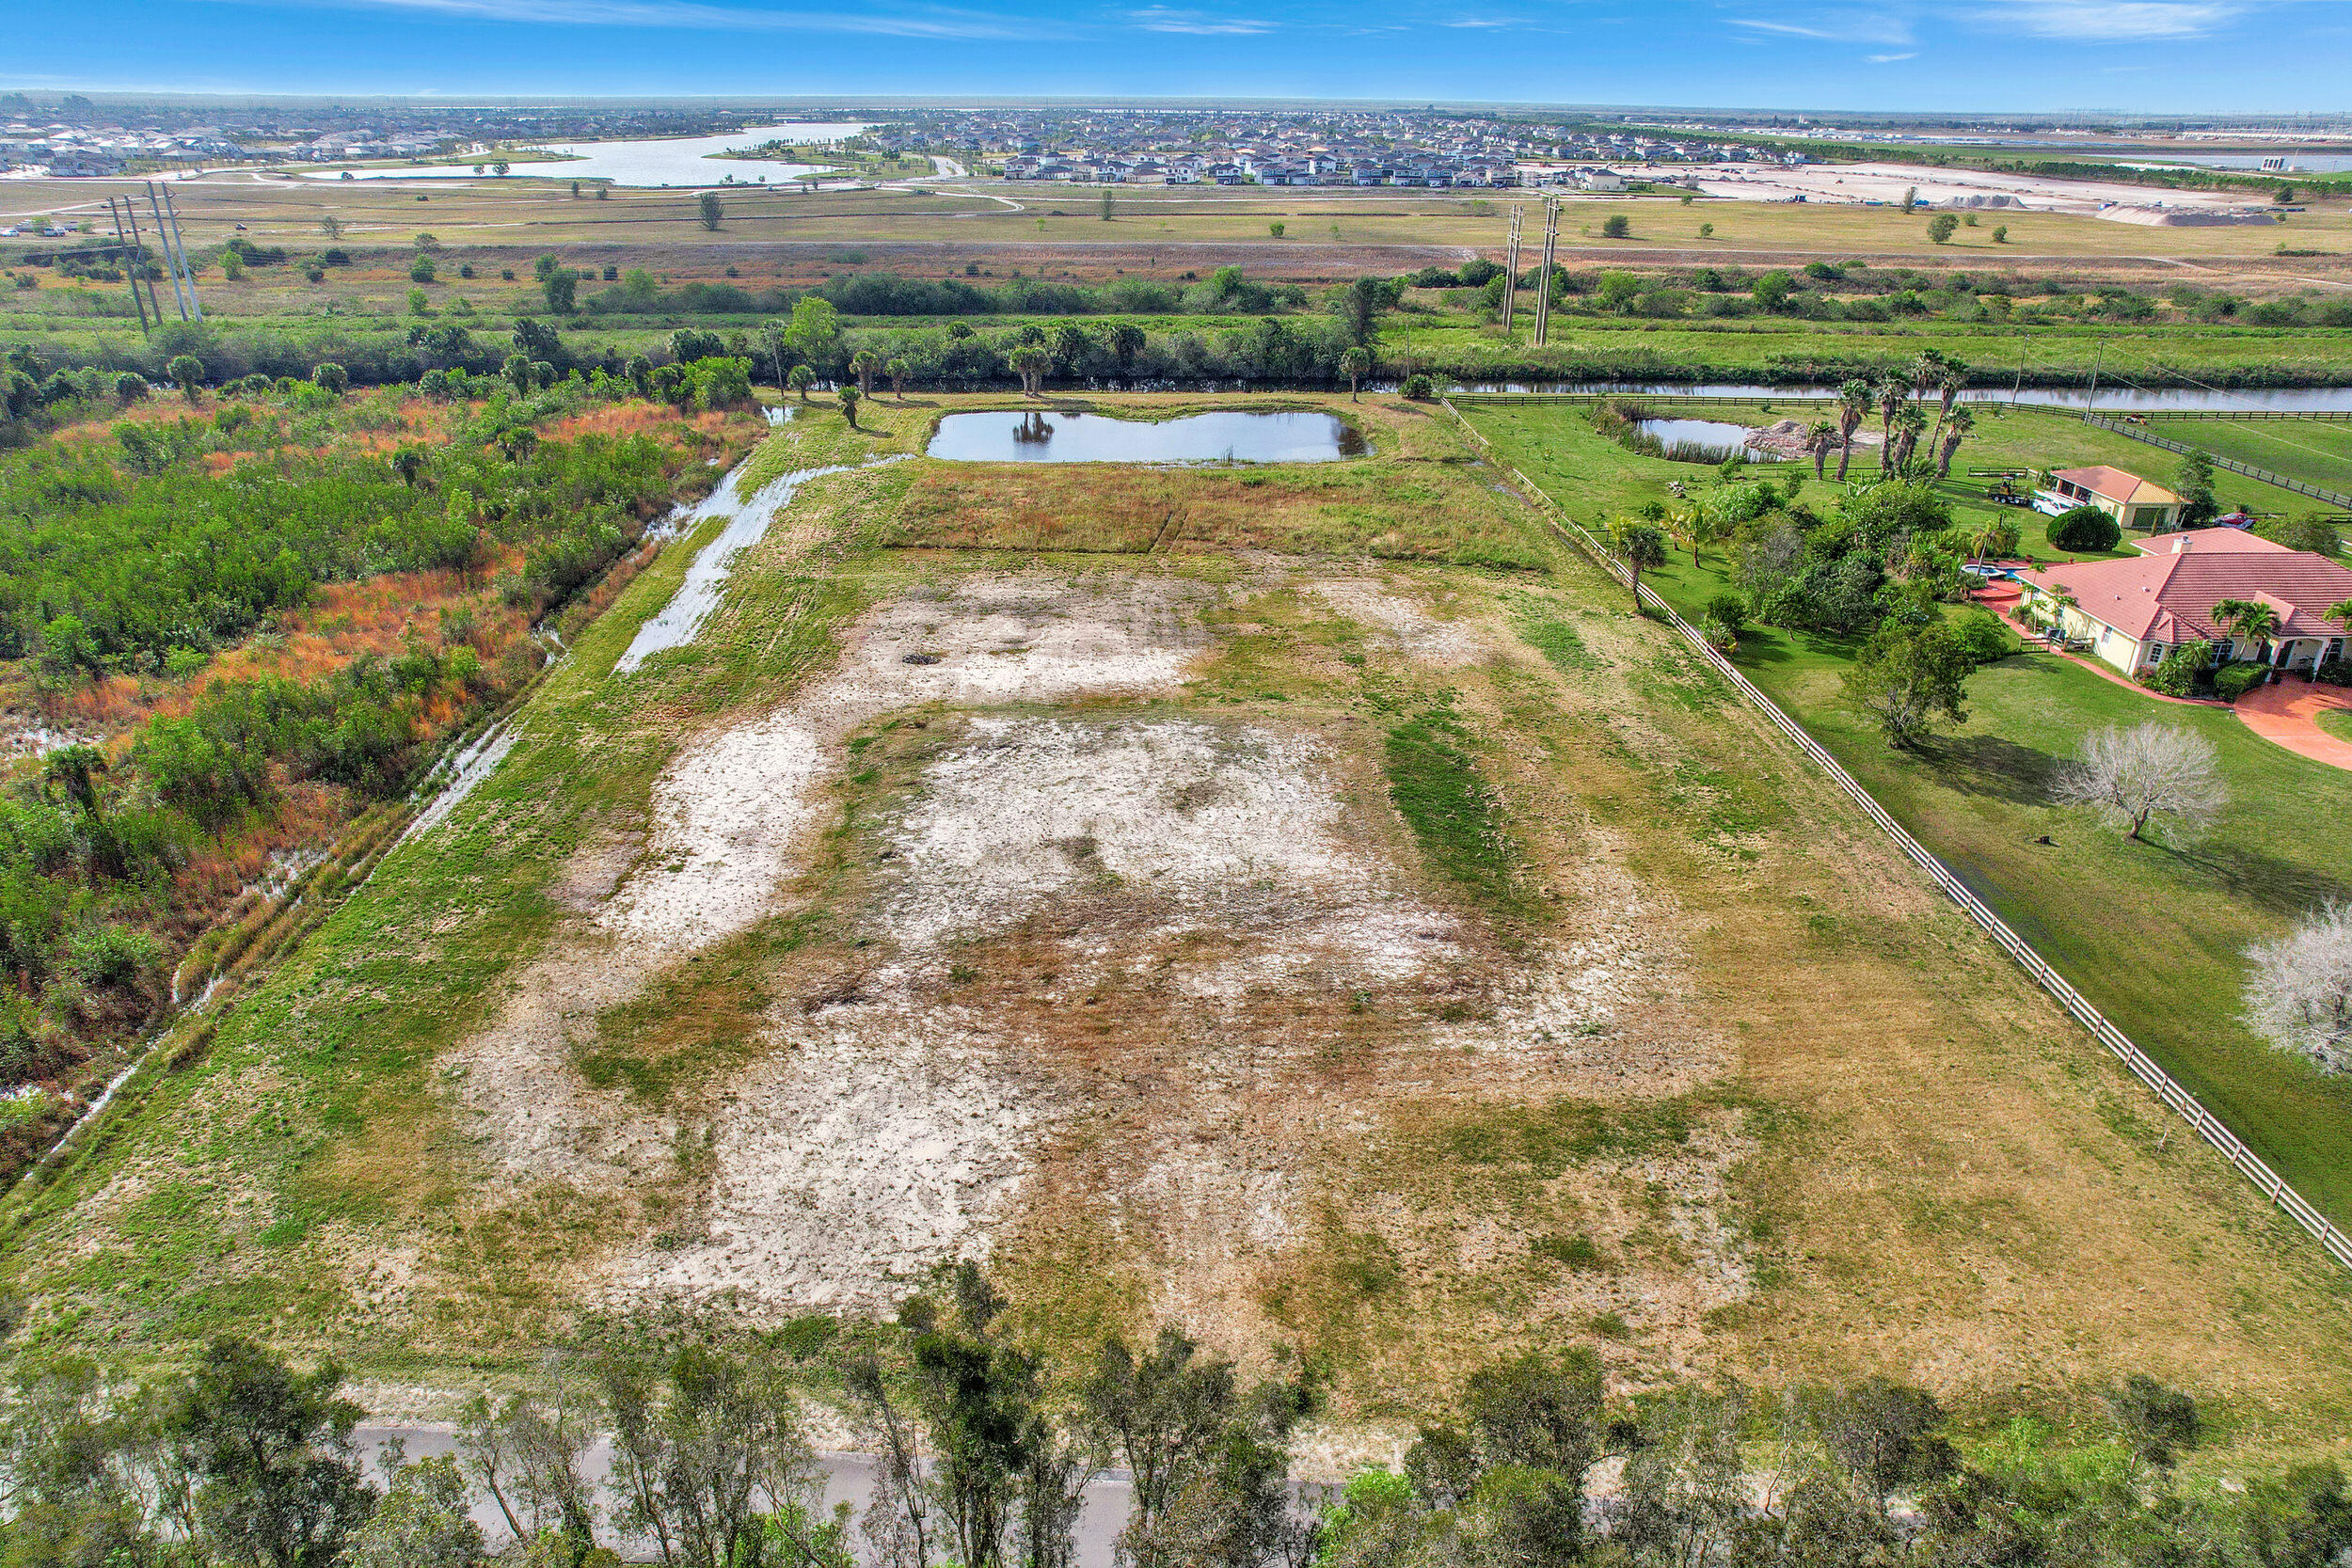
x,y
2004,438
2318,451
2152,935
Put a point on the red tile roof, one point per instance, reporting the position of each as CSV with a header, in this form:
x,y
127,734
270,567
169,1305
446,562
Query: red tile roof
x,y
2169,596
2209,540
2119,485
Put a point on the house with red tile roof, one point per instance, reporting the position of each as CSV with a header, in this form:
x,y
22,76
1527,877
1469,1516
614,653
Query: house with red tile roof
x,y
2131,500
2134,610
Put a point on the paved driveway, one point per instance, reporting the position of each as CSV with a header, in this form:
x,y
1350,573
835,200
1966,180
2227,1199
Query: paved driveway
x,y
2288,713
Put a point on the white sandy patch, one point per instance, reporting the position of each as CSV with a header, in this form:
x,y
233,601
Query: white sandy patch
x,y
731,815
1028,807
881,1144
725,816
1407,626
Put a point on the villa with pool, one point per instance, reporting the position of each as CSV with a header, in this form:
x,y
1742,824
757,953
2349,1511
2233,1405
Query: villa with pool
x,y
2134,609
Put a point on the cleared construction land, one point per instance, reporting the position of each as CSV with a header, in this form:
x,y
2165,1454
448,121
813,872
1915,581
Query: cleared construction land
x,y
1304,903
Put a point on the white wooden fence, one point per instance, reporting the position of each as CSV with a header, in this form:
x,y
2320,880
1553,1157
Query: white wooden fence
x,y
2209,1127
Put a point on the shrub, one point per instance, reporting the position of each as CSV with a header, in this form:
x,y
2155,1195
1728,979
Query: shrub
x,y
1982,636
2176,673
111,955
1616,226
2336,672
1729,609
2233,681
2084,528
1420,388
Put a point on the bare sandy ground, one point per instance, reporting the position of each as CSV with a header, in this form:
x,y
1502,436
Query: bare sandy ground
x,y
1110,957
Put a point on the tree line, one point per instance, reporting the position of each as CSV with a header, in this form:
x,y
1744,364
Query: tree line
x,y
983,1454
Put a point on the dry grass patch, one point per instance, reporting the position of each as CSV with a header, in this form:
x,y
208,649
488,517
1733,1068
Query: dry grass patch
x,y
1408,509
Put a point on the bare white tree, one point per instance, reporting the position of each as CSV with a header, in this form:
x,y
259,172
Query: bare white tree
x,y
2299,996
2150,773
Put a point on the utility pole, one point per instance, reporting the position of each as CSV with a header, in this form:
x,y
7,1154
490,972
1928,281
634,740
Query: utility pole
x,y
2019,390
130,263
180,241
1543,280
2091,405
1511,271
139,245
171,263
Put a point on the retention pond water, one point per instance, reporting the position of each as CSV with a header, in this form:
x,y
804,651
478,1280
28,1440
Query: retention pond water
x,y
1227,436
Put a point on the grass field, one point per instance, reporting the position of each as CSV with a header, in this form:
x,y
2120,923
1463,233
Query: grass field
x,y
540,211
1706,1073
2153,936
2318,451
1595,477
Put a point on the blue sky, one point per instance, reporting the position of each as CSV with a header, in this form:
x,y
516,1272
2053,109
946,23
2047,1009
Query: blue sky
x,y
2155,55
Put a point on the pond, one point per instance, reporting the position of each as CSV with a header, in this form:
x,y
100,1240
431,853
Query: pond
x,y
658,161
1717,434
1227,436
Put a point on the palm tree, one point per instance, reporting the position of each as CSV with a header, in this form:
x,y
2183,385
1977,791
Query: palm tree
x,y
1927,369
772,338
1853,406
2247,621
1355,364
1030,363
1071,345
1891,395
800,380
1989,536
1127,341
2340,613
1818,441
1958,426
1640,547
1911,423
865,362
849,396
1951,383
896,369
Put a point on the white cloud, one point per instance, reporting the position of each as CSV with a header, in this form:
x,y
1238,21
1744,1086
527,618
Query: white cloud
x,y
1836,28
1164,19
1890,59
923,21
2112,18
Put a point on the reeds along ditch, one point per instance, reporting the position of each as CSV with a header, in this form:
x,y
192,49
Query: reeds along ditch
x,y
1621,419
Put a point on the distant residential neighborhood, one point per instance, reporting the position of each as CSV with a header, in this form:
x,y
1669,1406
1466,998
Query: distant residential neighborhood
x,y
1214,148
1110,147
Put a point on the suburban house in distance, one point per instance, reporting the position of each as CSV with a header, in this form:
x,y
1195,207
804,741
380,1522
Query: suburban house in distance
x,y
2131,500
2136,610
